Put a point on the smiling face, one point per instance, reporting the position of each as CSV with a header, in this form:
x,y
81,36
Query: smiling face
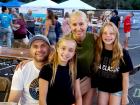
x,y
39,50
66,51
78,24
108,36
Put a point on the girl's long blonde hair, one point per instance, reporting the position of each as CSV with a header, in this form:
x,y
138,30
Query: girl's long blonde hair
x,y
117,48
72,62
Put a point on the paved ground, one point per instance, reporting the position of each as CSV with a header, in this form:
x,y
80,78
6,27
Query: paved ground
x,y
134,51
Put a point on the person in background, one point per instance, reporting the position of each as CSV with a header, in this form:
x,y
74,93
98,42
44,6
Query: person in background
x,y
58,29
65,24
20,38
50,27
115,18
14,14
78,22
30,23
90,27
5,25
127,28
26,90
59,83
112,65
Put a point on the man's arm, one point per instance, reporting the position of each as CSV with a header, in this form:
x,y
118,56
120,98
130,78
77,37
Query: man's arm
x,y
16,87
14,96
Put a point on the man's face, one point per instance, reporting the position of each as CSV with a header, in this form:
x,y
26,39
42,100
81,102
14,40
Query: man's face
x,y
39,50
30,12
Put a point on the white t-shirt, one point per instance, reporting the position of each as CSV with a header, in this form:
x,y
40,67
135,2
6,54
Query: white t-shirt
x,y
26,80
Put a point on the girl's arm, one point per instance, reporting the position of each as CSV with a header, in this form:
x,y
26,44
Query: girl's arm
x,y
48,24
43,90
125,84
78,96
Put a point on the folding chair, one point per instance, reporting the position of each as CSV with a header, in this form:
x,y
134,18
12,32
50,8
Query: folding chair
x,y
5,85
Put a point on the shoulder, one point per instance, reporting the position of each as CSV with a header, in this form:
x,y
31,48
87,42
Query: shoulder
x,y
94,36
126,56
20,74
26,68
125,53
127,60
46,72
46,67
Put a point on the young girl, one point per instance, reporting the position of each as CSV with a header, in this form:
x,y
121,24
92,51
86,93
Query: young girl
x,y
112,64
58,82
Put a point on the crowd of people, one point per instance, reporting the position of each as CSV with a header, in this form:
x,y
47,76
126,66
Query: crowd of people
x,y
73,67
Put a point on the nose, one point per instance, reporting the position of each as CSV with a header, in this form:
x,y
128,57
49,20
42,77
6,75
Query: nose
x,y
78,27
66,52
38,49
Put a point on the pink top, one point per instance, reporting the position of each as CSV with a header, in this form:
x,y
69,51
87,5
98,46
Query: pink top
x,y
65,27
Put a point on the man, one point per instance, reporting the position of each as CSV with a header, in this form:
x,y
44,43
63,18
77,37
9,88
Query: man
x,y
24,89
58,30
13,13
30,23
115,18
127,28
5,26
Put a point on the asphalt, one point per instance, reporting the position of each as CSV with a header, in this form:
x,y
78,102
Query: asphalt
x,y
134,52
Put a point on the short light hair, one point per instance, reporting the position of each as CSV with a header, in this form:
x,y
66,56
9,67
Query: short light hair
x,y
78,14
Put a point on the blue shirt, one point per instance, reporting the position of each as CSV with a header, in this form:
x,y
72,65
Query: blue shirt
x,y
5,20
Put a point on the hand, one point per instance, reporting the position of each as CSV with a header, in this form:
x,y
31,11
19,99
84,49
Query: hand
x,y
21,64
124,100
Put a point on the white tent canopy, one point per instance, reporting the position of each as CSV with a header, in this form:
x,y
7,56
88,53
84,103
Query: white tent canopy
x,y
40,3
75,4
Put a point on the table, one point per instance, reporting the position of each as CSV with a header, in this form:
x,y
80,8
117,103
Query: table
x,y
14,53
8,103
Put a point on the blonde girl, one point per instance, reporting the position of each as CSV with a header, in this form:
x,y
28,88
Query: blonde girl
x,y
58,81
112,65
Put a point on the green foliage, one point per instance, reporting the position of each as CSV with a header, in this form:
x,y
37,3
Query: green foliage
x,y
4,0
112,4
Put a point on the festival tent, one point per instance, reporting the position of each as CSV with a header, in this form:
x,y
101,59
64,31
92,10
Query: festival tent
x,y
13,3
75,4
40,3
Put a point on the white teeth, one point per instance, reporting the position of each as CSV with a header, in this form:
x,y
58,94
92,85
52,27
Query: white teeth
x,y
108,39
